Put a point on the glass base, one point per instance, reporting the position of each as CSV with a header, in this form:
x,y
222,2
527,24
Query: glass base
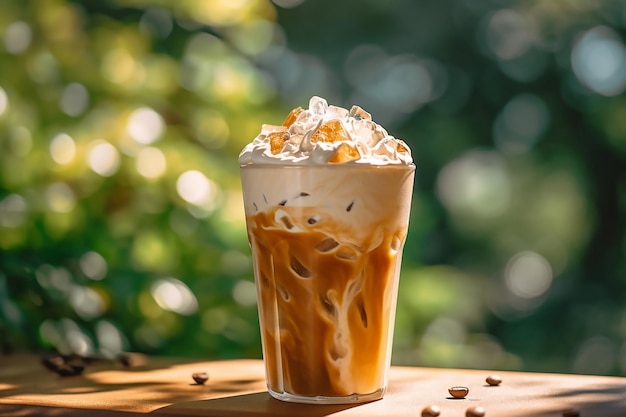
x,y
321,399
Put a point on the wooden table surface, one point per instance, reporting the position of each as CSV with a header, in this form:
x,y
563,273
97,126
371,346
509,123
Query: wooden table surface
x,y
164,387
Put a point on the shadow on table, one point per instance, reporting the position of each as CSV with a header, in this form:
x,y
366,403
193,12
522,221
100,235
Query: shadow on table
x,y
20,410
255,404
597,400
155,382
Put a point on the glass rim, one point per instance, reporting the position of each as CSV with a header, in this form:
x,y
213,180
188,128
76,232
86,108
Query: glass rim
x,y
409,167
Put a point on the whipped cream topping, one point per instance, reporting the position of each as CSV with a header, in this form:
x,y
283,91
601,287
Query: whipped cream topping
x,y
325,135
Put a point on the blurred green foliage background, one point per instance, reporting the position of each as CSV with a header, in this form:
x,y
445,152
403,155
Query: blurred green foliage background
x,y
121,220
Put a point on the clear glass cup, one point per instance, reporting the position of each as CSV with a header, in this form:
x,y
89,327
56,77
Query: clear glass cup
x,y
327,246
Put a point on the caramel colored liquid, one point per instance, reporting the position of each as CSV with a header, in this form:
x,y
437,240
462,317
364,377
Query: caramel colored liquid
x,y
326,306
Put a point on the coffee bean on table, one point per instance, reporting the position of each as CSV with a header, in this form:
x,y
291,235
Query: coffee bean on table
x,y
200,377
53,362
570,412
458,391
131,359
494,380
70,370
475,412
431,411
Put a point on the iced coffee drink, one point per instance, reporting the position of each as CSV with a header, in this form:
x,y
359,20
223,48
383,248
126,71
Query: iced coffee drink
x,y
327,198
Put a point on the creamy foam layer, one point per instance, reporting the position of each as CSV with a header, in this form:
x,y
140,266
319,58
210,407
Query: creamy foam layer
x,y
324,134
359,199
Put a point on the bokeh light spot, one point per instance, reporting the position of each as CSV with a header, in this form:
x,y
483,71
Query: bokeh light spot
x,y
103,158
195,188
157,21
50,277
13,211
528,275
87,303
389,86
43,68
74,99
120,67
232,78
520,124
93,265
211,128
475,184
509,34
244,293
4,101
221,12
62,149
11,311
596,355
110,339
211,69
50,333
173,295
151,162
78,342
20,141
17,37
599,61
60,197
145,125
445,329
253,37
151,250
